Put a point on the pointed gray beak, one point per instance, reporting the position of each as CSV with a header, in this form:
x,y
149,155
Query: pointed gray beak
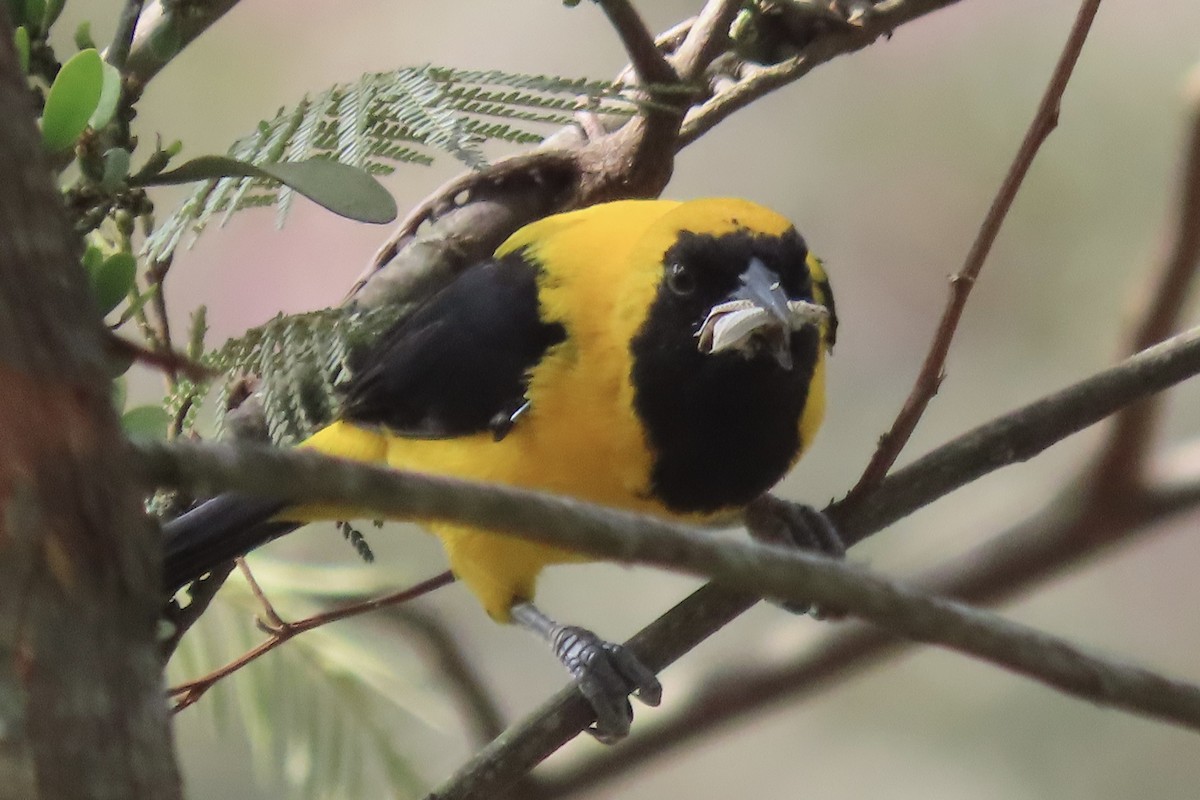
x,y
758,316
761,287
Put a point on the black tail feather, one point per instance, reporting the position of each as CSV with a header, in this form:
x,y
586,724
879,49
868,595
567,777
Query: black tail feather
x,y
217,531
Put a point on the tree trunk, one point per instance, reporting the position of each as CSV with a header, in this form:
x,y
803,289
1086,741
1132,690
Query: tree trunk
x,y
82,710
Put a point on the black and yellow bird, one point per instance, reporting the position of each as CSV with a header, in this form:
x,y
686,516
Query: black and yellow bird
x,y
658,356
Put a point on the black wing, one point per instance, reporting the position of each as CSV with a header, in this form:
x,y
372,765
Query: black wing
x,y
444,370
461,358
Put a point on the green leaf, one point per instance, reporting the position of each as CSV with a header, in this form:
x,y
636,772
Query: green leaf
x,y
72,99
35,12
119,389
83,36
113,279
119,363
50,16
145,422
110,95
116,169
93,257
347,191
21,42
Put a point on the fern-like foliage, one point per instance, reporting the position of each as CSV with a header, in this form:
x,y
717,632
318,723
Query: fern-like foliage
x,y
389,118
301,361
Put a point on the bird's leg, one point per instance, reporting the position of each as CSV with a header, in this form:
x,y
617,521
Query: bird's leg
x,y
606,673
779,522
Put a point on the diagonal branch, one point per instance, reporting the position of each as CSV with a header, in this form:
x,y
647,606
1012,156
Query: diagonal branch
x,y
759,81
1016,436
932,370
1122,461
708,37
647,61
1112,501
165,29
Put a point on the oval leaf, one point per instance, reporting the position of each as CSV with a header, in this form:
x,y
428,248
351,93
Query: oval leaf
x,y
35,12
145,422
116,169
119,390
83,36
21,42
347,191
113,280
72,100
110,95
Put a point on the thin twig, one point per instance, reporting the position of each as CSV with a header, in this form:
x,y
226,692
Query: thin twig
x,y
118,51
760,81
165,29
932,370
648,62
274,622
168,361
1163,300
188,693
708,37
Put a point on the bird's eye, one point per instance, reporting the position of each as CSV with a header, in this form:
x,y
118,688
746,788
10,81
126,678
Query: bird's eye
x,y
680,279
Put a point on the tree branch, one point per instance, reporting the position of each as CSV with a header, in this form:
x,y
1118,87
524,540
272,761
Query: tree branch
x,y
1045,120
278,632
623,164
1162,301
757,82
165,29
118,51
1112,501
1016,436
1046,544
648,63
708,38
745,566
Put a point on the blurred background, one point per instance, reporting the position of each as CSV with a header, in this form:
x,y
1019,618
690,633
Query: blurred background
x,y
887,160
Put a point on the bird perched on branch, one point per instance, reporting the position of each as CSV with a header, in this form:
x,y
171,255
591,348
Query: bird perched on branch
x,y
658,356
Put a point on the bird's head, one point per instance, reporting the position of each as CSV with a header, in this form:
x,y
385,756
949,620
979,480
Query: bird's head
x,y
727,362
740,280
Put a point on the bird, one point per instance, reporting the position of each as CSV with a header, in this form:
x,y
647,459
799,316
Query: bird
x,y
660,356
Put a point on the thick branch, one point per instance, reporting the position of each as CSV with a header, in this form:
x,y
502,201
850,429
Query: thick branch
x,y
81,714
1046,544
619,536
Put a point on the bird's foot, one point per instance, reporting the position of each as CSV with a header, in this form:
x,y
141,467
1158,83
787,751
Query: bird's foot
x,y
779,522
606,673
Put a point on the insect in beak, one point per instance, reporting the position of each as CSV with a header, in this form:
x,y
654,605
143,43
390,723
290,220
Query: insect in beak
x,y
758,315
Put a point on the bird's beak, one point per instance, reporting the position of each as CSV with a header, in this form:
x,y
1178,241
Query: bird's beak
x,y
758,315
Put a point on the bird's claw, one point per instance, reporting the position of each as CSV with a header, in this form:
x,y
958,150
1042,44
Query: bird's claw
x,y
774,521
607,674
